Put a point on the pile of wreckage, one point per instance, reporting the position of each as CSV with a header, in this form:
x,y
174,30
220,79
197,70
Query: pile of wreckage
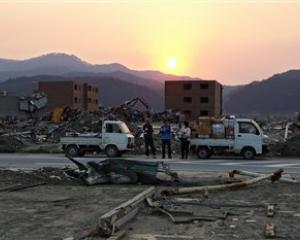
x,y
49,127
42,132
162,198
223,205
16,133
284,136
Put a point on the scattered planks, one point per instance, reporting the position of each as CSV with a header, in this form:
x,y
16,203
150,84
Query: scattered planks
x,y
110,224
112,221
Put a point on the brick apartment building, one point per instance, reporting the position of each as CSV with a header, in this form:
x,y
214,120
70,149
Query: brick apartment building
x,y
76,95
194,98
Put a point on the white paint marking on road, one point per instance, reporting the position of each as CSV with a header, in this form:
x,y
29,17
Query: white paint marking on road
x,y
283,165
43,164
231,163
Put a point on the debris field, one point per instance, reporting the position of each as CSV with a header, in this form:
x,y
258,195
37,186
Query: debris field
x,y
50,204
42,133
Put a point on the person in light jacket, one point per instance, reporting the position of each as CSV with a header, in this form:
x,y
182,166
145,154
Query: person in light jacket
x,y
184,135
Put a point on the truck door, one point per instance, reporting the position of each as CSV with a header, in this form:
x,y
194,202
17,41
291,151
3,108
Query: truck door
x,y
247,135
112,134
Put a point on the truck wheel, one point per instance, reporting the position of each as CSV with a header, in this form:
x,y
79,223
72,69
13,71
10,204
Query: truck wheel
x,y
248,153
203,153
72,150
111,151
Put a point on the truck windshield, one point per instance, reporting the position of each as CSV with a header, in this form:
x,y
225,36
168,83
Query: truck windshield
x,y
124,128
247,127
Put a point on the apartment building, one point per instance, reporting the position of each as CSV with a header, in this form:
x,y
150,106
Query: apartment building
x,y
76,95
194,98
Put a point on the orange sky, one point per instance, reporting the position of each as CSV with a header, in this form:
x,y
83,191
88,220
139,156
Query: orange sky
x,y
229,41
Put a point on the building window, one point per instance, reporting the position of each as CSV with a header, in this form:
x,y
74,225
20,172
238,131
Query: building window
x,y
187,99
203,86
75,99
203,113
75,86
187,86
89,100
204,99
96,90
96,101
89,88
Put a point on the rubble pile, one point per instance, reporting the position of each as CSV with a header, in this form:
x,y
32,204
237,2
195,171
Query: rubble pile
x,y
9,144
40,176
242,204
285,139
42,133
17,133
203,207
51,126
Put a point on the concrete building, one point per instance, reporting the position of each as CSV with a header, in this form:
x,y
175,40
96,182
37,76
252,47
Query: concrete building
x,y
73,94
9,105
194,98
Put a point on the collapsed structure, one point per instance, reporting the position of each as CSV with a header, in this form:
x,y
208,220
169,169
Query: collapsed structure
x,y
12,106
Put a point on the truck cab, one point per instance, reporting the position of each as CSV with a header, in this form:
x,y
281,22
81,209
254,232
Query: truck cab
x,y
114,139
249,139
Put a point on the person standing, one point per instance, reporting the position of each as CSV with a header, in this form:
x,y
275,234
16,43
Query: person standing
x,y
184,136
148,138
165,136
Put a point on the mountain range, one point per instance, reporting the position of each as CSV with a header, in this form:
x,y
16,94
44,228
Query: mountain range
x,y
278,94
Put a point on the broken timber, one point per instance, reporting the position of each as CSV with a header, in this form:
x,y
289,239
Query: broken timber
x,y
254,174
273,176
119,216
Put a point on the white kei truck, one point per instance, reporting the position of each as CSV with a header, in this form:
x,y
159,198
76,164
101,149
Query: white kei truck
x,y
114,139
248,141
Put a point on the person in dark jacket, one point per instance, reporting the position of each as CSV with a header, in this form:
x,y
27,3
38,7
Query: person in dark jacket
x,y
165,136
148,138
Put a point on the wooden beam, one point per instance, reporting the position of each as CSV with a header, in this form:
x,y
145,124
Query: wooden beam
x,y
113,220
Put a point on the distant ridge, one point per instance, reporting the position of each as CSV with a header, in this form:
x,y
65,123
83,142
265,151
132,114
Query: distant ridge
x,y
62,63
277,95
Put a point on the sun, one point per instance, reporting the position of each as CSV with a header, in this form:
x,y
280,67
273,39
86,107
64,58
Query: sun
x,y
171,63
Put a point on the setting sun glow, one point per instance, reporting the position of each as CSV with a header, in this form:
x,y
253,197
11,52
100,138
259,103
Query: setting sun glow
x,y
171,63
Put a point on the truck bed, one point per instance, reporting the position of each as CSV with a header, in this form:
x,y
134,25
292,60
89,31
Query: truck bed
x,y
214,142
83,139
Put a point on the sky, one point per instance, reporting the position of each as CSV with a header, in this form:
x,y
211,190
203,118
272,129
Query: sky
x,y
234,42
